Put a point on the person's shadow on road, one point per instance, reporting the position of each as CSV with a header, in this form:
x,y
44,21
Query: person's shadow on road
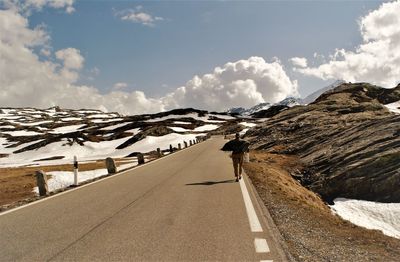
x,y
210,183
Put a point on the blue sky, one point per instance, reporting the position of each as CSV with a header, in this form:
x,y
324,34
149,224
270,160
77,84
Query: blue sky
x,y
197,36
148,56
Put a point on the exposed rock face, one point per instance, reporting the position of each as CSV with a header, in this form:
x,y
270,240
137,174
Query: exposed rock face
x,y
347,138
270,112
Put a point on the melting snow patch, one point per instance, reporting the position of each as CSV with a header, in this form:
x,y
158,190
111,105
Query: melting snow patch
x,y
248,124
205,128
22,133
106,121
113,126
34,123
179,129
63,179
372,215
394,107
71,119
66,129
243,131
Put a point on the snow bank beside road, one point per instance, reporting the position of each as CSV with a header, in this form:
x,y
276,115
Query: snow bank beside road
x,y
372,215
64,179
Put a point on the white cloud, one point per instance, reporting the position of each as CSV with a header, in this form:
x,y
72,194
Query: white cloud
x,y
376,60
26,6
120,85
241,83
138,16
298,61
27,80
71,58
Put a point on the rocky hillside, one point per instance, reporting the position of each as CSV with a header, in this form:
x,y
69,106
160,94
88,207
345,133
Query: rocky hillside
x,y
348,141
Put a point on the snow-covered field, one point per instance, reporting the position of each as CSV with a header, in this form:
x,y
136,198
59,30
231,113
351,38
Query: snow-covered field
x,y
90,134
372,215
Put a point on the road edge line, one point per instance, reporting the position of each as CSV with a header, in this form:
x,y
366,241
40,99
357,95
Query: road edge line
x,y
254,222
275,234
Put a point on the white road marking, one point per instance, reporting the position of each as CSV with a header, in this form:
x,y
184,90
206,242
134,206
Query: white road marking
x,y
266,260
251,213
261,245
92,183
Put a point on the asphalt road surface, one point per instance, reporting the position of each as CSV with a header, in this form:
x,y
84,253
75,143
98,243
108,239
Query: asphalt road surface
x,y
183,207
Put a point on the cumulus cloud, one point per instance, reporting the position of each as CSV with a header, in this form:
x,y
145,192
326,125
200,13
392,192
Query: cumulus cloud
x,y
298,61
376,60
242,83
24,76
51,80
71,58
26,6
138,16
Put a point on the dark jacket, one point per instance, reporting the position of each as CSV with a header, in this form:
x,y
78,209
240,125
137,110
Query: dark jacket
x,y
236,146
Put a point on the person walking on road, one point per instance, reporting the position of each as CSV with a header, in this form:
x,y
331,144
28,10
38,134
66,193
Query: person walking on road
x,y
238,148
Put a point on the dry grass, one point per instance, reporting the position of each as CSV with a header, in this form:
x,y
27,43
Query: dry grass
x,y
311,231
17,183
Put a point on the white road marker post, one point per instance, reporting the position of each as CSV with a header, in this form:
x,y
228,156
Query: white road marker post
x,y
75,171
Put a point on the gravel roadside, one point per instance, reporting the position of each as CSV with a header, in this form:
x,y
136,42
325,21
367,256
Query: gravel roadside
x,y
310,230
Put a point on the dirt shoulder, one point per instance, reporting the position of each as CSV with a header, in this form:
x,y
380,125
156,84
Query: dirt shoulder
x,y
310,230
17,184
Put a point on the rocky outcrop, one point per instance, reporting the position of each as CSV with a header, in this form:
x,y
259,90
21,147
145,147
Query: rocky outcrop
x,y
347,139
270,112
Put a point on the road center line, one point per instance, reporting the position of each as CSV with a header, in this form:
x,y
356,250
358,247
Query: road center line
x,y
251,213
261,245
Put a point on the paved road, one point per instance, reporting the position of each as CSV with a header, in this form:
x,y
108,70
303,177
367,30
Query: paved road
x,y
185,206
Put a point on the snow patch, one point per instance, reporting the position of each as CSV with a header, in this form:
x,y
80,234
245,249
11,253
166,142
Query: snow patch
x,y
205,128
22,133
247,124
179,129
394,107
113,127
66,129
243,131
182,123
372,215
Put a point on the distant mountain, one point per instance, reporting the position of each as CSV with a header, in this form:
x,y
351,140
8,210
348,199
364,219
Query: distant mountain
x,y
312,97
287,102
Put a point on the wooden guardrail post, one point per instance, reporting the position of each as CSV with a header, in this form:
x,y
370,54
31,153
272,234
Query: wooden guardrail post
x,y
111,167
159,153
185,144
179,146
140,158
75,171
190,142
41,180
171,149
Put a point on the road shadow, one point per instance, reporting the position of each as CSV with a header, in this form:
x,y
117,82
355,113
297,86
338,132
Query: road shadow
x,y
210,183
